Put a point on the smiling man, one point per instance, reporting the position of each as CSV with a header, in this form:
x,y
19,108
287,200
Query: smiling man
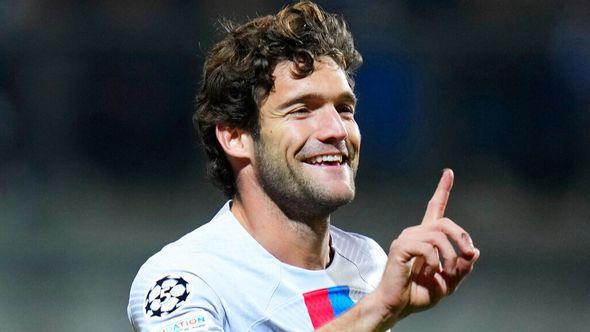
x,y
276,115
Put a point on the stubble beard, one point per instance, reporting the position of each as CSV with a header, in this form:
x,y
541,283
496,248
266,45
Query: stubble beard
x,y
294,192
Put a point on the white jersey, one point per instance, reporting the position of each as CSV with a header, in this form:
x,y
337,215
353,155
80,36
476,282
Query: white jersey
x,y
218,278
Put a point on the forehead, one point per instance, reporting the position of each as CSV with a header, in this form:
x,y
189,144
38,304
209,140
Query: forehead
x,y
327,80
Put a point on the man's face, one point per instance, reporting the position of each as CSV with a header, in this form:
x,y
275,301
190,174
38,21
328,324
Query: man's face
x,y
307,153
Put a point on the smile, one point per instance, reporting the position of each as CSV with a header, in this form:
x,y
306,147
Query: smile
x,y
327,159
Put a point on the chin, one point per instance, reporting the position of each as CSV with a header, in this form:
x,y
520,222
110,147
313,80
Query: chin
x,y
334,198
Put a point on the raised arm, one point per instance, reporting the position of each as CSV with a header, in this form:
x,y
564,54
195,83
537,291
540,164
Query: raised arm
x,y
422,268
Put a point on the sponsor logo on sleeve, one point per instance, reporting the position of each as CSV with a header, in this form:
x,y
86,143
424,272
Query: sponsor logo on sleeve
x,y
167,295
193,323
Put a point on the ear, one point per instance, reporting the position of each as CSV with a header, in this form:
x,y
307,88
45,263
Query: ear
x,y
236,142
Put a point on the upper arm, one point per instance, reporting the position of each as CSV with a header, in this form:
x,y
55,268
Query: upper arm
x,y
166,300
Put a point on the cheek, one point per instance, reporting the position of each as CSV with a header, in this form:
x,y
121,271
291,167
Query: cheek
x,y
354,134
287,139
296,133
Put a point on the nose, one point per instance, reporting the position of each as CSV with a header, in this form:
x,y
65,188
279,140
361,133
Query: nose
x,y
331,126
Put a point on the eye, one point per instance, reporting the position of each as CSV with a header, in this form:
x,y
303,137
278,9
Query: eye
x,y
345,109
299,112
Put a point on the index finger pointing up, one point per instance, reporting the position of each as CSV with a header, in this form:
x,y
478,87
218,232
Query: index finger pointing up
x,y
438,202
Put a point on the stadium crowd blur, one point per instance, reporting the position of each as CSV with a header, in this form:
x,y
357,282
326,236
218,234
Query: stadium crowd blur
x,y
99,165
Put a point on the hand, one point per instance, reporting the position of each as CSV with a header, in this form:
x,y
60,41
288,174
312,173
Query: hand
x,y
423,266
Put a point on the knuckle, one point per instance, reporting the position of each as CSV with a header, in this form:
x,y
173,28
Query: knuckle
x,y
405,232
466,235
395,244
466,238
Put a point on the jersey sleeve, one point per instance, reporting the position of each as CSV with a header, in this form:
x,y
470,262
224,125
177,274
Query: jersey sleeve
x,y
173,301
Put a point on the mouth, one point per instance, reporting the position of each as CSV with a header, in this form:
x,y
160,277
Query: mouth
x,y
327,160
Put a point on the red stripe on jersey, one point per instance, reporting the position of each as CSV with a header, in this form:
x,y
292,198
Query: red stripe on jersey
x,y
319,307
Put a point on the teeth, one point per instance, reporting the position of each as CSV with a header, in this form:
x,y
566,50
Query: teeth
x,y
326,158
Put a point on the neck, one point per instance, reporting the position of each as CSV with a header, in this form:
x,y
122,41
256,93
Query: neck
x,y
301,243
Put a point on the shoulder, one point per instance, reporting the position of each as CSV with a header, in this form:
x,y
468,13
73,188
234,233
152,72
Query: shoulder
x,y
168,291
173,285
188,253
175,298
216,260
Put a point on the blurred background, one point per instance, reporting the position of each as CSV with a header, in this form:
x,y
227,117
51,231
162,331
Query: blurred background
x,y
99,166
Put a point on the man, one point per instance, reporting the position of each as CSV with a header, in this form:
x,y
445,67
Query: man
x,y
276,117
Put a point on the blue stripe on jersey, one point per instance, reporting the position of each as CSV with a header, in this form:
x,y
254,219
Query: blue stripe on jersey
x,y
340,298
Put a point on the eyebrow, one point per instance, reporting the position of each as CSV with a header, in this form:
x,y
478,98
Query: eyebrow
x,y
346,97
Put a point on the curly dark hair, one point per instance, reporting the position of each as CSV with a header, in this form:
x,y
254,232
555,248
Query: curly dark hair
x,y
237,74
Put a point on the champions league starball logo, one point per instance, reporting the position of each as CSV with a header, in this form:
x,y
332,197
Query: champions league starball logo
x,y
167,295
